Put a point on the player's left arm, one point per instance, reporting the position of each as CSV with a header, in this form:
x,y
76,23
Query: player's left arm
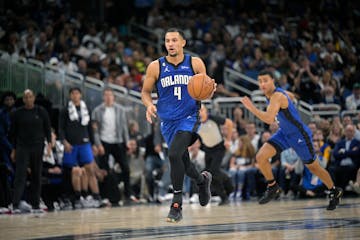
x,y
273,108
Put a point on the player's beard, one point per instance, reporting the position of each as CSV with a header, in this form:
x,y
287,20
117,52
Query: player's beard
x,y
173,54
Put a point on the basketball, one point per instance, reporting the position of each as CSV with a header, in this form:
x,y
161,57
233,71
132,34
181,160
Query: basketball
x,y
200,86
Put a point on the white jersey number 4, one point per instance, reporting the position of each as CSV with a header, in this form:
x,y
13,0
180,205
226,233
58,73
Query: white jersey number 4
x,y
177,92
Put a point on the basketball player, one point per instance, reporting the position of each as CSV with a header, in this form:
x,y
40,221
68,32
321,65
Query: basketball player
x,y
292,133
178,113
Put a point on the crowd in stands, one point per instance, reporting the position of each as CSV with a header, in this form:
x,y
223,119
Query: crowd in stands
x,y
311,47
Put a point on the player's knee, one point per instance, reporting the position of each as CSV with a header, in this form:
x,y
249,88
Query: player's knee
x,y
76,171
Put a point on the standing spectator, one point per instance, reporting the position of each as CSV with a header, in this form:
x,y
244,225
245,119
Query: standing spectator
x,y
8,101
76,135
6,167
309,86
111,134
30,125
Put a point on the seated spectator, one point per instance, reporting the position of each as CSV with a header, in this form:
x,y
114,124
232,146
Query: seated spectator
x,y
243,159
52,188
289,161
239,120
335,135
137,170
346,154
329,97
352,102
254,137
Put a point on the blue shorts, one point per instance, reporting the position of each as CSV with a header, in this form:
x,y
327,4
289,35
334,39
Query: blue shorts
x,y
79,156
170,128
301,142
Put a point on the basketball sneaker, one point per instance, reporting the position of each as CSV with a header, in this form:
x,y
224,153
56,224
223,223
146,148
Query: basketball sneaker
x,y
334,196
204,189
175,214
272,192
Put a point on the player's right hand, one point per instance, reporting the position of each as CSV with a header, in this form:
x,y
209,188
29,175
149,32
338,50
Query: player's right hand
x,y
150,112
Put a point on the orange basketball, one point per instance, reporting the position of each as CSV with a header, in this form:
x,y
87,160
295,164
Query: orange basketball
x,y
200,86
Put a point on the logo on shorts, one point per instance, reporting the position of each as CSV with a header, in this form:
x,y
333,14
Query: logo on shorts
x,y
300,141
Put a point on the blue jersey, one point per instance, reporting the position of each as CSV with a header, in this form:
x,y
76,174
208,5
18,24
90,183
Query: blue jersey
x,y
289,119
174,101
292,132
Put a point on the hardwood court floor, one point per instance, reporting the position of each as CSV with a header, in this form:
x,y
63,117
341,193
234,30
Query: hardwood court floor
x,y
302,219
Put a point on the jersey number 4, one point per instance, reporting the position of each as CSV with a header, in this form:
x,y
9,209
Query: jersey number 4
x,y
177,92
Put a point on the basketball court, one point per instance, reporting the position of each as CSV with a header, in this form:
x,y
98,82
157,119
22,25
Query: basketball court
x,y
285,219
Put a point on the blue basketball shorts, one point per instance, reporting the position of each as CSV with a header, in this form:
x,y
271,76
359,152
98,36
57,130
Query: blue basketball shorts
x,y
301,142
170,128
79,156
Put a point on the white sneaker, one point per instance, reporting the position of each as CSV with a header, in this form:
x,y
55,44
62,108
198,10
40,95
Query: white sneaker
x,y
42,205
194,198
355,187
4,210
25,207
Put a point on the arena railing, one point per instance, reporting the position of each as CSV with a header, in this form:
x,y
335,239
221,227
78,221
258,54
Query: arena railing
x,y
54,83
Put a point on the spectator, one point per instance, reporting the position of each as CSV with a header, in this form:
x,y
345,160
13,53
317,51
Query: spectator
x,y
243,159
252,135
8,106
111,135
76,135
289,161
352,102
6,166
239,120
346,154
30,126
309,82
52,173
137,170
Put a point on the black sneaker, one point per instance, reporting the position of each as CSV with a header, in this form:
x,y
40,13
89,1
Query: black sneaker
x,y
204,189
272,192
334,196
175,214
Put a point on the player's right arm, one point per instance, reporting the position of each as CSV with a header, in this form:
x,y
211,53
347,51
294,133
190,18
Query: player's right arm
x,y
152,73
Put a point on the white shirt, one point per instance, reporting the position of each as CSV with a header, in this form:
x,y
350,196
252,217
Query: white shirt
x,y
108,129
